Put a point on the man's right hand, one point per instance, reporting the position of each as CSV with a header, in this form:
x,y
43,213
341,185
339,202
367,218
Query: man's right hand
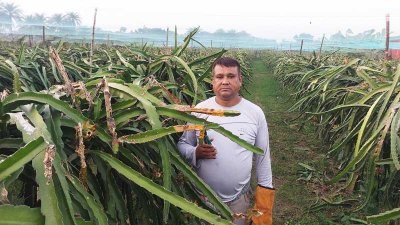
x,y
206,151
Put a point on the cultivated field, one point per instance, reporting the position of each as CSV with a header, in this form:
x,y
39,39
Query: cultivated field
x,y
87,135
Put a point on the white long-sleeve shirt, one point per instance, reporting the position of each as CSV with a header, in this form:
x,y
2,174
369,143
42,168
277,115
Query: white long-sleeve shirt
x,y
230,172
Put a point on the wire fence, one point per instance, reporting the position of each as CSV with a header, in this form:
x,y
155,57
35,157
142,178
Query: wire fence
x,y
39,33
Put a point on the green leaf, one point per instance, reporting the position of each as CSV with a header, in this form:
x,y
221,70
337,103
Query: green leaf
x,y
364,75
95,209
192,119
124,115
133,93
340,107
201,185
118,106
71,65
207,58
360,153
16,78
116,195
80,221
49,201
191,75
14,100
60,181
186,42
155,189
126,63
150,135
63,195
167,177
146,99
20,215
13,177
395,141
384,217
389,94
364,125
21,157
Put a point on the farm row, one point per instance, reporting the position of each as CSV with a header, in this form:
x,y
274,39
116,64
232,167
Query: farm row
x,y
355,104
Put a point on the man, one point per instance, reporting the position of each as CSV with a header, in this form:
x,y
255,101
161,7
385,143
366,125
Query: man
x,y
224,165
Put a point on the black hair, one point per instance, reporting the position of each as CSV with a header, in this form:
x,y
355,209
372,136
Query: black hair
x,y
227,62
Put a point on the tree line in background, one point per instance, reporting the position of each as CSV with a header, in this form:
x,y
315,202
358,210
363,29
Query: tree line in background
x,y
12,18
68,26
370,35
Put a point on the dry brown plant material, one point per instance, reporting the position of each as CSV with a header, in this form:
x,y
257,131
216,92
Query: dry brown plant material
x,y
49,155
110,120
61,69
174,99
4,94
80,151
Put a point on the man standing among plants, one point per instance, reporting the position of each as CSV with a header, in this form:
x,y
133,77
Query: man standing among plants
x,y
224,165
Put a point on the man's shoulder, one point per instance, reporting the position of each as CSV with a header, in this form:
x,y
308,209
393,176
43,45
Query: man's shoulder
x,y
206,103
251,106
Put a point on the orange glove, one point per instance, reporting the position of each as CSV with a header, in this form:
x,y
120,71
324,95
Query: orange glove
x,y
264,203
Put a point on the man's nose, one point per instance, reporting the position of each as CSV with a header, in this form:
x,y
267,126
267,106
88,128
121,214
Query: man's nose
x,y
225,80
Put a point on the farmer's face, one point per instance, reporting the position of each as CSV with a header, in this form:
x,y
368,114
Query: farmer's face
x,y
226,82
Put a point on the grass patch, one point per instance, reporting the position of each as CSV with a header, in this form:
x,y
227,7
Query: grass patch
x,y
289,147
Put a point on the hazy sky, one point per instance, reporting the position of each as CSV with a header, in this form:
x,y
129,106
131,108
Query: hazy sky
x,y
277,19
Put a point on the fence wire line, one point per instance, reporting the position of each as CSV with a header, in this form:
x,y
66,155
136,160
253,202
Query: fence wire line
x,y
80,34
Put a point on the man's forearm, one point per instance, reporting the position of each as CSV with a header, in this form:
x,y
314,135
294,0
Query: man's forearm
x,y
187,146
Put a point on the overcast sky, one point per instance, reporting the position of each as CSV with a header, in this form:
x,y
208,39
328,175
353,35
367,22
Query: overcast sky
x,y
277,19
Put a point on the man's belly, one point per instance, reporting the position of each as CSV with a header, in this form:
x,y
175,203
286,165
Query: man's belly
x,y
227,174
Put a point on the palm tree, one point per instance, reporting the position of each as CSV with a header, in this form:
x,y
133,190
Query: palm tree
x,y
73,19
33,23
57,21
10,14
64,23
